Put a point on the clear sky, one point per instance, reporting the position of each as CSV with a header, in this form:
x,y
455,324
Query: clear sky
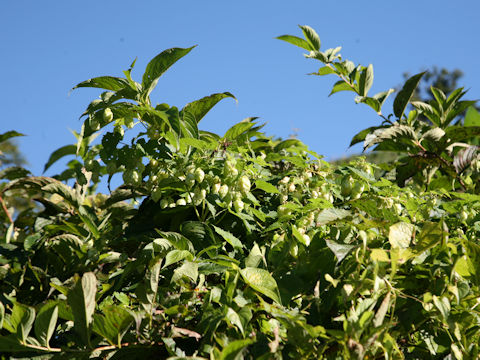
x,y
47,47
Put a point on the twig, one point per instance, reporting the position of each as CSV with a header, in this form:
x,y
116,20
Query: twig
x,y
4,206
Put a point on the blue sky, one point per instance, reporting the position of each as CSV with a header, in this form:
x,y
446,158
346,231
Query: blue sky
x,y
49,46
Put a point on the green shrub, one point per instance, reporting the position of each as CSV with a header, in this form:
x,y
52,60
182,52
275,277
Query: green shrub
x,y
242,245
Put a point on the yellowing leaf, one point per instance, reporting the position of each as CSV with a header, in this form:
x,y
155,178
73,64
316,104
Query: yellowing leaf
x,y
400,235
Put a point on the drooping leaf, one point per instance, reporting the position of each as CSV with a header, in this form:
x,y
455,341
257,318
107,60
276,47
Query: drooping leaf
x,y
159,64
382,311
403,97
82,302
261,281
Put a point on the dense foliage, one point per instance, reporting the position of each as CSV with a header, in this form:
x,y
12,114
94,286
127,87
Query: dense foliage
x,y
243,245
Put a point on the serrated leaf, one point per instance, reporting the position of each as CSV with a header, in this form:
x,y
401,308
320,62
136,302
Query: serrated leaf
x,y
267,187
403,97
199,108
295,40
261,281
46,322
400,235
465,157
311,36
393,132
159,64
82,302
434,134
229,237
359,137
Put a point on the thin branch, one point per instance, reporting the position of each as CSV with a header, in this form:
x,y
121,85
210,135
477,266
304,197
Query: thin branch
x,y
4,206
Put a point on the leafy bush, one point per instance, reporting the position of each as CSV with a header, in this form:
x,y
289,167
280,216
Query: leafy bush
x,y
243,245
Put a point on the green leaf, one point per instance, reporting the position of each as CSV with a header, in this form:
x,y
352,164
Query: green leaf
x,y
400,235
403,97
373,103
443,305
9,134
311,36
267,187
2,314
175,256
234,349
434,134
46,322
294,40
229,237
113,324
159,64
82,302
59,153
472,117
201,107
382,311
261,281
14,172
363,134
332,214
104,82
465,157
189,269
432,233
366,81
341,85
394,132
254,257
20,321
340,250
455,134
325,70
